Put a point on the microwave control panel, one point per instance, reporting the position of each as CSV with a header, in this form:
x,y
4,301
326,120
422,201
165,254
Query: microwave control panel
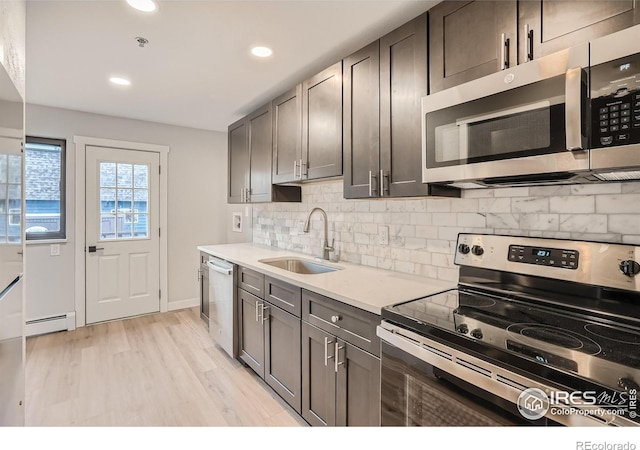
x,y
615,102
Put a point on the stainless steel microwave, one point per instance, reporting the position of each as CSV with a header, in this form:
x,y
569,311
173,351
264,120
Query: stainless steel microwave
x,y
542,122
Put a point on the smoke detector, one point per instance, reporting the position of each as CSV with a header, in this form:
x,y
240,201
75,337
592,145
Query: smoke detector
x,y
142,41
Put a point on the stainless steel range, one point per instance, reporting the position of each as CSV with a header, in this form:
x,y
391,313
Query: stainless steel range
x,y
538,331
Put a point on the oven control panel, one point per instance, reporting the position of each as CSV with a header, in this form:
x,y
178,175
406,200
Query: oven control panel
x,y
544,256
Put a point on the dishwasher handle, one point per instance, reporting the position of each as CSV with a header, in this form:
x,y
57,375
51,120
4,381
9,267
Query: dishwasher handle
x,y
219,269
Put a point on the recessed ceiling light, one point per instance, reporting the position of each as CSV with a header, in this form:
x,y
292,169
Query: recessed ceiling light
x,y
143,5
262,52
120,81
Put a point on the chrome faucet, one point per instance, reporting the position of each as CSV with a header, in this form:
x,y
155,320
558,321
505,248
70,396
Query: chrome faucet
x,y
326,247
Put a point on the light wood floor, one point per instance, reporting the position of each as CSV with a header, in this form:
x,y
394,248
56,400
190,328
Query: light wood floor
x,y
157,370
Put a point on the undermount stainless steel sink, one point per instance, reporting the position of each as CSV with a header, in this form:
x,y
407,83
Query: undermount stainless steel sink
x,y
297,265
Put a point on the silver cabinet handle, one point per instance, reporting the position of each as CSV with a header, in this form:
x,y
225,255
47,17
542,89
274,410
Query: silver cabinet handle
x,y
528,43
199,274
372,185
335,319
242,197
303,169
384,189
295,169
264,308
504,54
257,306
337,356
247,195
327,342
573,109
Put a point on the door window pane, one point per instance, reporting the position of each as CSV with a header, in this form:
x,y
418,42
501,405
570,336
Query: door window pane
x,y
108,174
120,203
141,176
125,175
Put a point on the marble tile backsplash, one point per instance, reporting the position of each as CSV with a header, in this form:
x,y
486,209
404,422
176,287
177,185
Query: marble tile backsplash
x,y
423,231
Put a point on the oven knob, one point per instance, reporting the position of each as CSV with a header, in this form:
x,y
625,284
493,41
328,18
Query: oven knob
x,y
477,333
463,328
627,384
464,249
630,268
477,250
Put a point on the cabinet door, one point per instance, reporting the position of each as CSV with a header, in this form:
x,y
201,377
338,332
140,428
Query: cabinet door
x,y
318,377
260,150
361,124
287,135
282,355
238,148
555,25
322,124
358,387
403,83
250,331
467,40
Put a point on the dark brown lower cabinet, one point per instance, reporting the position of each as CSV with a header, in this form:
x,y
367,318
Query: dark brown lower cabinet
x,y
250,332
340,382
269,343
282,355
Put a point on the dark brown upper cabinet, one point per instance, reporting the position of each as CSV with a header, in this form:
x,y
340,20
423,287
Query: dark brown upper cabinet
x,y
361,84
322,125
239,160
383,86
287,135
403,83
260,145
549,26
468,40
250,158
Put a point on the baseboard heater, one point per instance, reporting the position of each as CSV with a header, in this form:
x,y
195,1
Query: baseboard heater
x,y
51,324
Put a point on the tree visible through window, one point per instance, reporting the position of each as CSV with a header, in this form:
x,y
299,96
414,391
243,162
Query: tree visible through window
x,y
44,164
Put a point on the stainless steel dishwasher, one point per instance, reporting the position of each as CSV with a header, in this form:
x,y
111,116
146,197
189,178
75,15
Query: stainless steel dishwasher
x,y
222,304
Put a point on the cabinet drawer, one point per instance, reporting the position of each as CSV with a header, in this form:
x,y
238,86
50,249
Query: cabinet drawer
x,y
251,281
283,295
352,324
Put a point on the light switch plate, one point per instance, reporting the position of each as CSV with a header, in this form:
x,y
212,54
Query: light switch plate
x,y
55,249
383,234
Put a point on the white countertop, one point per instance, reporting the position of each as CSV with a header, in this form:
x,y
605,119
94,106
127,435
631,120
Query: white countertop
x,y
360,286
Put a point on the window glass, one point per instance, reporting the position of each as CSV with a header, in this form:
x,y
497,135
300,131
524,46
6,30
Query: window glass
x,y
44,188
124,201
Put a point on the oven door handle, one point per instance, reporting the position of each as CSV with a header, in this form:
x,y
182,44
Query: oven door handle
x,y
575,96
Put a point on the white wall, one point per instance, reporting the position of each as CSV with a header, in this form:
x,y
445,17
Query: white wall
x,y
197,209
12,40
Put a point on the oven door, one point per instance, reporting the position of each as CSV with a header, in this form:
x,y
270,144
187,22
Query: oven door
x,y
524,125
427,383
415,393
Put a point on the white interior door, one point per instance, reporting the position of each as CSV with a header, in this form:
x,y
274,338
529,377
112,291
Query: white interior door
x,y
122,233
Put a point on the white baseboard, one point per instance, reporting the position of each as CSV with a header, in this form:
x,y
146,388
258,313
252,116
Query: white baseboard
x,y
182,304
64,322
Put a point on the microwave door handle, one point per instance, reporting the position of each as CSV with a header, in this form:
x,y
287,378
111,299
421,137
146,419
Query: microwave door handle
x,y
573,109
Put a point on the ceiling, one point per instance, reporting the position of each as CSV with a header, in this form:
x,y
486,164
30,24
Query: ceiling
x,y
197,70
